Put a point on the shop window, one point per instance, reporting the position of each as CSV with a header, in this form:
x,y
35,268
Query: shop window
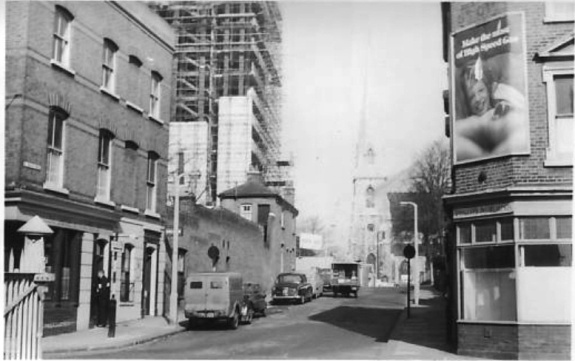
x,y
488,257
564,227
507,233
547,255
464,233
534,228
62,254
485,231
488,284
126,282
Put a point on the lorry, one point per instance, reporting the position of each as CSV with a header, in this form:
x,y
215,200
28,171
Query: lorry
x,y
348,277
292,286
211,297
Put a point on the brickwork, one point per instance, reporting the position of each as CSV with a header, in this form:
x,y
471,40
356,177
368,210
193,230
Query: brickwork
x,y
517,170
544,342
36,83
488,340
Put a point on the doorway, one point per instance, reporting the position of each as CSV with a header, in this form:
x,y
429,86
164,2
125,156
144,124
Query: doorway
x,y
149,280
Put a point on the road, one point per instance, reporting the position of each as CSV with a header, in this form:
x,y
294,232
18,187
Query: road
x,y
326,328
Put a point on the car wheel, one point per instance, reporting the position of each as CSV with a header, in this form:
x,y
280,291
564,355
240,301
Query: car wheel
x,y
235,320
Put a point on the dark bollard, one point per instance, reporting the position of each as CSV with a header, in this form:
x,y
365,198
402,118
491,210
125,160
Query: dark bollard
x,y
112,317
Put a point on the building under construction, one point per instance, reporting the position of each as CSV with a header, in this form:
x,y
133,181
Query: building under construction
x,y
227,114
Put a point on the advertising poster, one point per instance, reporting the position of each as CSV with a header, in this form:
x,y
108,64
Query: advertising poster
x,y
310,241
489,97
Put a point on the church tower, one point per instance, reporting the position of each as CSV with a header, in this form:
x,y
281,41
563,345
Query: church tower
x,y
367,217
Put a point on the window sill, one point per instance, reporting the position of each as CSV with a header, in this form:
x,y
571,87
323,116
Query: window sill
x,y
134,107
105,202
130,209
159,121
152,214
551,20
58,65
109,93
557,161
127,304
56,189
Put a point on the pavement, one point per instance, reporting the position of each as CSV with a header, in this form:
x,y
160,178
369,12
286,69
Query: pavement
x,y
419,335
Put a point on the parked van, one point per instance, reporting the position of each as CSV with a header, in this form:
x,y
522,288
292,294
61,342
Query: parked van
x,y
214,296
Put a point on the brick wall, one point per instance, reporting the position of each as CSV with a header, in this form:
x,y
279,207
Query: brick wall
x,y
29,72
488,340
517,170
544,342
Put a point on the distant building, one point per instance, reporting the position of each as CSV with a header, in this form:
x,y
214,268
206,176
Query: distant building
x,y
228,94
276,217
511,207
88,98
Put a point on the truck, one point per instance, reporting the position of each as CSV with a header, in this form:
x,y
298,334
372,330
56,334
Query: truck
x,y
211,297
348,277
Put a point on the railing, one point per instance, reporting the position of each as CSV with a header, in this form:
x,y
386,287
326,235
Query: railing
x,y
23,316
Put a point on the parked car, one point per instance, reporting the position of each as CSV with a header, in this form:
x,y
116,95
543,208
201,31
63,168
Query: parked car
x,y
255,298
292,286
211,297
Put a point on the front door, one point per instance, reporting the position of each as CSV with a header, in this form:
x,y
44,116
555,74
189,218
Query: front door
x,y
147,281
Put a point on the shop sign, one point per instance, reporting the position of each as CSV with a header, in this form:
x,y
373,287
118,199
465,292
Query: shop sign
x,y
488,209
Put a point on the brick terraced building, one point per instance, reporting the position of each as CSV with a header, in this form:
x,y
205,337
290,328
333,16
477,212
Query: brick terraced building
x,y
511,112
88,89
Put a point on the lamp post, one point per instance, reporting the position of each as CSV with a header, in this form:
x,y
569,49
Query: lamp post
x,y
175,247
416,245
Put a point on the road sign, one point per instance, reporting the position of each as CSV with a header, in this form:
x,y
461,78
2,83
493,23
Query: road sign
x,y
409,251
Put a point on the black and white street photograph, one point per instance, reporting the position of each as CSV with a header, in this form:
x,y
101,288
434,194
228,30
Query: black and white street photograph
x,y
289,179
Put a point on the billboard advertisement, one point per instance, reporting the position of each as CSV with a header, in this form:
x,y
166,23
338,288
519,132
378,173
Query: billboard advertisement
x,y
488,91
310,241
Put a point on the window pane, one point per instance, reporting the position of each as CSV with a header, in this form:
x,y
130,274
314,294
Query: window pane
x,y
564,134
489,257
465,233
564,227
549,255
196,285
216,284
506,229
57,133
564,94
489,295
535,228
485,232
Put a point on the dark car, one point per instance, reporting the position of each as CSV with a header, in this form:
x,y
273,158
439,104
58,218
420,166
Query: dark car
x,y
292,286
255,298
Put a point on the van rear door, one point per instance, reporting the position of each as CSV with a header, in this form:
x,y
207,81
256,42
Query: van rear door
x,y
217,294
195,294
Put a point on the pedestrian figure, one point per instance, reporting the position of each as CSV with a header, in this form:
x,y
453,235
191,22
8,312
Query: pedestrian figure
x,y
102,299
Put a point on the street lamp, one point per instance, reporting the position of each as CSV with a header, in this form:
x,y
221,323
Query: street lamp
x,y
416,246
175,247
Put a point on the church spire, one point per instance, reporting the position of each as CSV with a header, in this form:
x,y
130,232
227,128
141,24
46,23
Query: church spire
x,y
362,132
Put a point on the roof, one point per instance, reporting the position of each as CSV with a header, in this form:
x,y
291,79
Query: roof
x,y
254,189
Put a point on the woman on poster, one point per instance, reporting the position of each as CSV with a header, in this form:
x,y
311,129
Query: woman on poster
x,y
496,122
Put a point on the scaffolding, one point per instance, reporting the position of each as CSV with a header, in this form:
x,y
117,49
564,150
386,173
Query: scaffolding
x,y
227,49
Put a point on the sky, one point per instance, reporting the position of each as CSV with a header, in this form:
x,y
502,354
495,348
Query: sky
x,y
340,57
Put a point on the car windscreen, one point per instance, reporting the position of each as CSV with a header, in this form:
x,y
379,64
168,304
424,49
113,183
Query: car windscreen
x,y
289,279
196,285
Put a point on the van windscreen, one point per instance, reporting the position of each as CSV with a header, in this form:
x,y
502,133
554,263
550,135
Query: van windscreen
x,y
196,285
